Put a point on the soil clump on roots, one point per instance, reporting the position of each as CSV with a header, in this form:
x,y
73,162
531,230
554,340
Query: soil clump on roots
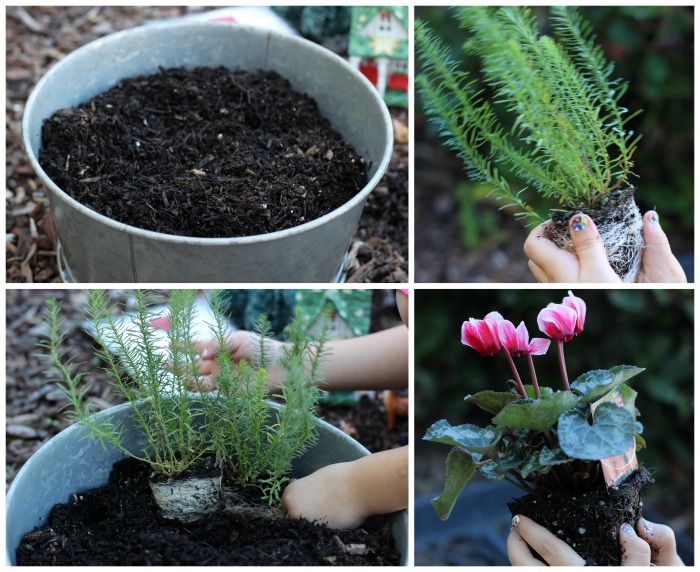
x,y
206,153
120,524
619,223
589,522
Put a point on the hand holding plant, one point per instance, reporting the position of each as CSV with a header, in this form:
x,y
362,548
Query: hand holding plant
x,y
589,263
547,442
543,111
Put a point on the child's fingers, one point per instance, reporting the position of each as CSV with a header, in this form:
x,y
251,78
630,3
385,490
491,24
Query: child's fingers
x,y
553,550
594,265
537,272
206,349
201,385
662,541
556,264
658,262
519,552
635,552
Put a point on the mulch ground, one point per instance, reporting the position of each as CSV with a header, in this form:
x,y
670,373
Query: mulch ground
x,y
37,37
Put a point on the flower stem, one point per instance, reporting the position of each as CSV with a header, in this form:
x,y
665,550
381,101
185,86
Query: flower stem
x,y
562,365
534,376
518,382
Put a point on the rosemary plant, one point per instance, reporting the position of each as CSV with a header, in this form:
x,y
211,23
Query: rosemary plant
x,y
255,441
544,109
137,370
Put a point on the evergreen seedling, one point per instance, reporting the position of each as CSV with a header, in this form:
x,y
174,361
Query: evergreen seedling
x,y
543,110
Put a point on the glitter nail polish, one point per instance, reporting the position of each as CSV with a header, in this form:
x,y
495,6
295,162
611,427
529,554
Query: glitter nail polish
x,y
654,218
516,521
579,222
647,527
626,529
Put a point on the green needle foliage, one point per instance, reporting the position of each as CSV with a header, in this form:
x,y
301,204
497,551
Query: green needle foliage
x,y
544,109
258,443
253,439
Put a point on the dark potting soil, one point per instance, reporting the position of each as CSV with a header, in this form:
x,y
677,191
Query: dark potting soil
x,y
202,153
589,522
120,524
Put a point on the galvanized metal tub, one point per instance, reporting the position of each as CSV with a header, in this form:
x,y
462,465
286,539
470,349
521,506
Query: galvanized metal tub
x,y
69,463
97,249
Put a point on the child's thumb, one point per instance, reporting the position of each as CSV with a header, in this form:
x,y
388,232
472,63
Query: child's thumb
x,y
588,244
657,248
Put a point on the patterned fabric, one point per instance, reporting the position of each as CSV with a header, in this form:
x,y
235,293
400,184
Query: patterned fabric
x,y
350,310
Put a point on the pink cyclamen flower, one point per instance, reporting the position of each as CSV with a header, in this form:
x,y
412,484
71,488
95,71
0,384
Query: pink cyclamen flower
x,y
482,335
562,322
516,340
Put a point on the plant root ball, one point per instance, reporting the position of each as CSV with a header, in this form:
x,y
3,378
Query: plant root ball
x,y
619,223
589,520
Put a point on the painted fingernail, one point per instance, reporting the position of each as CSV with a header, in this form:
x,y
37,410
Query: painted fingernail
x,y
626,529
578,222
516,521
647,527
654,218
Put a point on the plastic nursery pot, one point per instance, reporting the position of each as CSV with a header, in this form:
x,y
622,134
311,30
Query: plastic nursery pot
x,y
94,248
68,464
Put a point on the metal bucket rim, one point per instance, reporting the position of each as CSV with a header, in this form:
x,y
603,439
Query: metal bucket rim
x,y
240,240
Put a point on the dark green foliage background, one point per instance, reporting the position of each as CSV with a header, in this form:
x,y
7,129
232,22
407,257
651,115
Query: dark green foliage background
x,y
652,47
652,329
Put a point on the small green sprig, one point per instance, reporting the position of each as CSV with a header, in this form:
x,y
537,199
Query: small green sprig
x,y
544,109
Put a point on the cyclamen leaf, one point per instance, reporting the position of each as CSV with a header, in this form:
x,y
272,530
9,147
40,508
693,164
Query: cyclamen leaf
x,y
543,461
530,391
470,437
639,442
500,466
538,415
595,384
491,401
459,470
611,434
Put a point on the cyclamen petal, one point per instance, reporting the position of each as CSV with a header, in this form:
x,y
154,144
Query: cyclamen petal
x,y
516,340
579,306
482,335
558,322
538,346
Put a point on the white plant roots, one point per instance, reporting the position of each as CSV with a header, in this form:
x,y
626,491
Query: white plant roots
x,y
621,235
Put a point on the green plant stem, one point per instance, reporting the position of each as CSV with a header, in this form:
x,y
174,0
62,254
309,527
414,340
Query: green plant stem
x,y
535,385
562,365
520,486
518,382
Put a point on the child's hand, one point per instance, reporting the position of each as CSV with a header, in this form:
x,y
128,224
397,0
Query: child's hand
x,y
241,345
345,494
656,544
327,496
549,263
